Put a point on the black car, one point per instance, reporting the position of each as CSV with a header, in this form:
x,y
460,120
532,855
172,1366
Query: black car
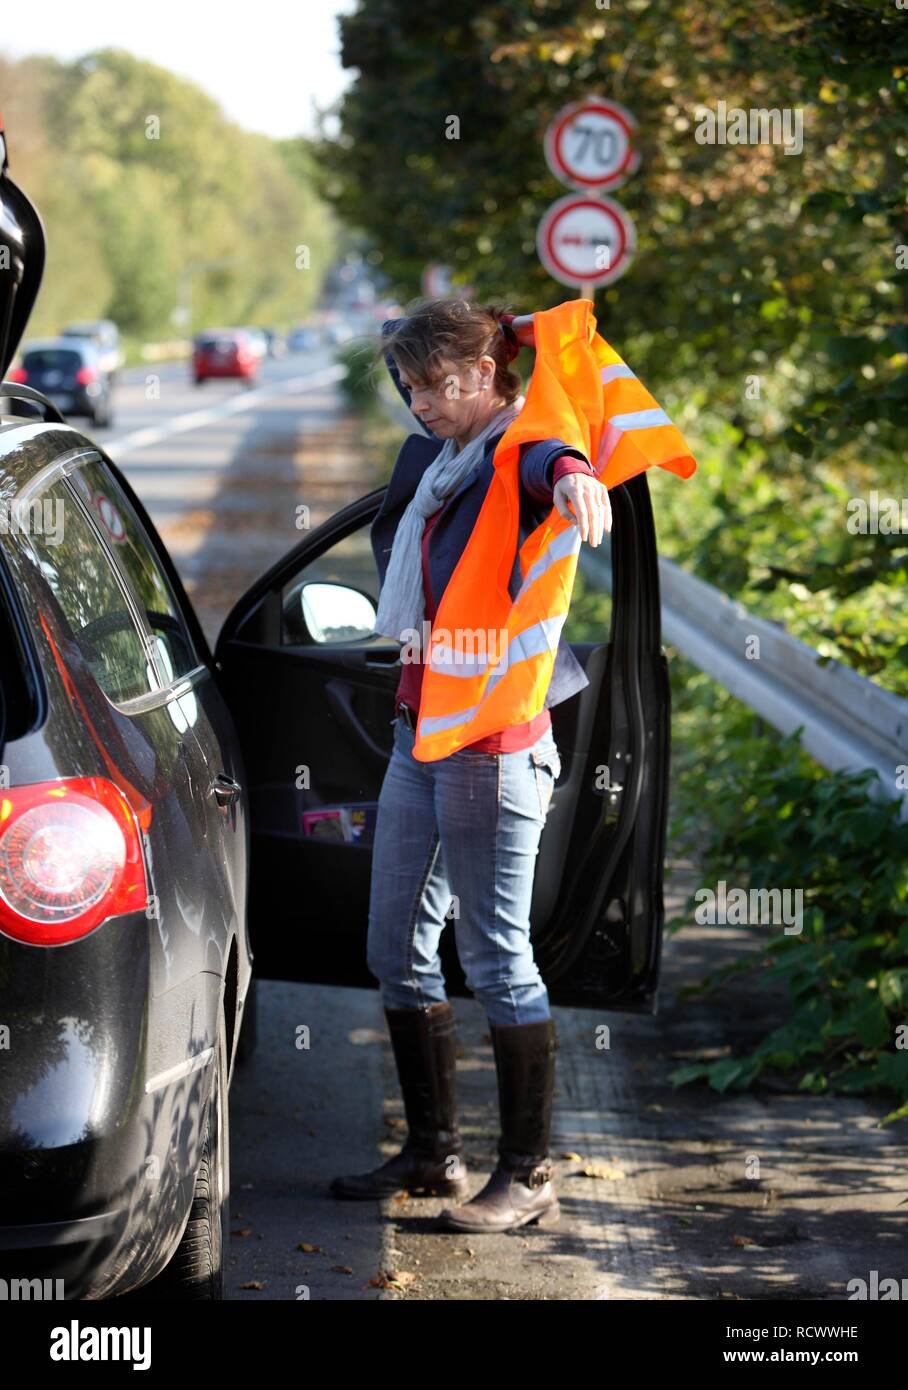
x,y
70,373
166,811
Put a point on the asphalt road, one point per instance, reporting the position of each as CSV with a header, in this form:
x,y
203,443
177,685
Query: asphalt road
x,y
679,1208
219,467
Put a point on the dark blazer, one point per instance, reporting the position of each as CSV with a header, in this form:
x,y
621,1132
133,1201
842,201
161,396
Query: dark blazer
x,y
454,526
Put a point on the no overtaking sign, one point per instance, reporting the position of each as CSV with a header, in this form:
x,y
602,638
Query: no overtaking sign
x,y
585,241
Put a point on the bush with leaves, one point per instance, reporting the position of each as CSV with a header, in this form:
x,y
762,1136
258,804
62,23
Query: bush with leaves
x,y
763,812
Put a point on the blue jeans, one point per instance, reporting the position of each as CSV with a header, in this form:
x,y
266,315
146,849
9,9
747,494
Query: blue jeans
x,y
467,828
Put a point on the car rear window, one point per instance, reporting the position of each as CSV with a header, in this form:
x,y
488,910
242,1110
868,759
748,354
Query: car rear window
x,y
76,569
135,554
223,344
49,359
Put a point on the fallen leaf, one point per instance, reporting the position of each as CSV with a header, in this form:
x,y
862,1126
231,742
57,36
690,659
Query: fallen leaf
x,y
254,1284
361,1036
393,1279
310,1249
607,1171
342,1269
244,1231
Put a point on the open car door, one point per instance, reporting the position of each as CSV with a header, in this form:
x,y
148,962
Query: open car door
x,y
311,690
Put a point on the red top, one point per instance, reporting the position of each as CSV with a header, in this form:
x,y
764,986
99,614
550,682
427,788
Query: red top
x,y
410,685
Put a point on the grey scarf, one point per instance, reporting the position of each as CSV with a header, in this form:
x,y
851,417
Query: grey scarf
x,y
401,606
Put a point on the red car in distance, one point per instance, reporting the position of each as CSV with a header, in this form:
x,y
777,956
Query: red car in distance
x,y
224,352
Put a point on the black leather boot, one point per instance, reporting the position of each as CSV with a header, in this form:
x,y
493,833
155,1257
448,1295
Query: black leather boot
x,y
521,1189
429,1164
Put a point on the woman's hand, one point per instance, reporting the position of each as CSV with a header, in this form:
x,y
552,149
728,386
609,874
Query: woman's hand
x,y
522,325
588,497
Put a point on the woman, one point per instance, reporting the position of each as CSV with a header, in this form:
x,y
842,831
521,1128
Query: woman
x,y
465,827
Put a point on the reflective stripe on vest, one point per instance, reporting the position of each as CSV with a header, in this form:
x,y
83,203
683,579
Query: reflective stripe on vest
x,y
491,657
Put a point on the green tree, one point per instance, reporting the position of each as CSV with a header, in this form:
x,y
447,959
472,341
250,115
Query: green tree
x,y
766,303
142,181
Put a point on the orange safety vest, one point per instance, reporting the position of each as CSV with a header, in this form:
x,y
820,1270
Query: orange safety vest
x,y
491,656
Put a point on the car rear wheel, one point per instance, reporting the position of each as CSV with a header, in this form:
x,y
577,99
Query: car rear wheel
x,y
196,1268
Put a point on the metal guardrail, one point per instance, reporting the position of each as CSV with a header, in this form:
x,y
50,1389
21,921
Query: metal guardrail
x,y
849,722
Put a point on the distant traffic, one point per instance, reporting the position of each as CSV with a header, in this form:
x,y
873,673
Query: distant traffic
x,y
78,368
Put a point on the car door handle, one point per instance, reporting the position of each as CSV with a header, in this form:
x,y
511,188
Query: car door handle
x,y
224,789
380,660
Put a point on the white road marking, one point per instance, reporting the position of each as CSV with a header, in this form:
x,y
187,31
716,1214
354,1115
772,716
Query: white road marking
x,y
195,419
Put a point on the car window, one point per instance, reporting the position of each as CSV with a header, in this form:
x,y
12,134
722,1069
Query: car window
x,y
134,552
223,344
46,359
75,567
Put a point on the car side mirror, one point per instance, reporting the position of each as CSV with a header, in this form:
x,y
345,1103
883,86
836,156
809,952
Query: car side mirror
x,y
334,613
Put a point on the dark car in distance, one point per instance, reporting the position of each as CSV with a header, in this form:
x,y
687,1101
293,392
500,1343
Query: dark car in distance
x,y
106,337
168,810
70,373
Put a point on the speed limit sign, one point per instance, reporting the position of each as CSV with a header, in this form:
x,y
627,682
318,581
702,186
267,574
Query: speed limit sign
x,y
589,144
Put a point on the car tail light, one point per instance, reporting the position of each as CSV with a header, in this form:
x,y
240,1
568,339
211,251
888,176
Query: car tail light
x,y
70,857
19,374
85,375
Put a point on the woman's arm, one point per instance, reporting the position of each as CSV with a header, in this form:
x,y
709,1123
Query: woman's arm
x,y
543,464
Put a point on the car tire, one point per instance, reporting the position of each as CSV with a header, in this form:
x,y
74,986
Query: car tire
x,y
249,1027
195,1270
